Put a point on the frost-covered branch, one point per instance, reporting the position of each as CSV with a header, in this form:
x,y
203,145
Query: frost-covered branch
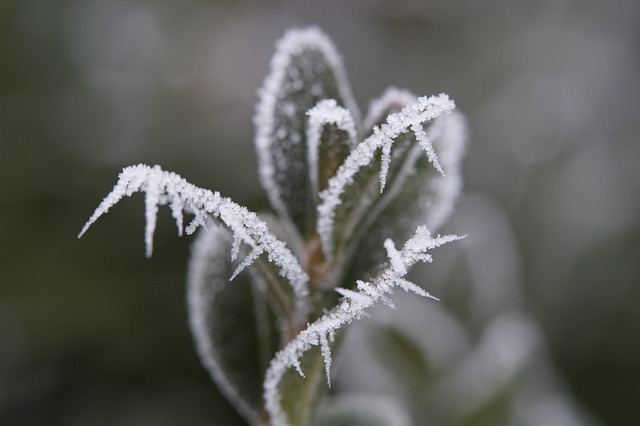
x,y
353,306
409,119
162,187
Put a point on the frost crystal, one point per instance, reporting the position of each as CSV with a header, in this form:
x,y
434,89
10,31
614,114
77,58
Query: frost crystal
x,y
163,187
353,306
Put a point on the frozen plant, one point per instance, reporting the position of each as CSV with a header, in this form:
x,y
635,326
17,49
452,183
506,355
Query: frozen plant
x,y
345,193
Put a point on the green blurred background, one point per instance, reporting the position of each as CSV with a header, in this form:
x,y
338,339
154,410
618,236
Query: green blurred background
x,y
92,333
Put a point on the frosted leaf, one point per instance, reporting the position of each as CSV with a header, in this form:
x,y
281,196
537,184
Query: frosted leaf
x,y
351,308
163,187
234,331
331,134
305,69
421,195
391,143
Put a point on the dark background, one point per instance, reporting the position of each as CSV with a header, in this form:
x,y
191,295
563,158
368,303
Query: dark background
x,y
93,333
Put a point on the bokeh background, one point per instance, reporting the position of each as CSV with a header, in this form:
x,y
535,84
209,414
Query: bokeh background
x,y
92,333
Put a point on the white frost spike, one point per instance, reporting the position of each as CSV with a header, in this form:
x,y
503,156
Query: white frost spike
x,y
235,247
409,286
248,260
385,162
353,307
163,187
326,355
423,110
394,256
426,145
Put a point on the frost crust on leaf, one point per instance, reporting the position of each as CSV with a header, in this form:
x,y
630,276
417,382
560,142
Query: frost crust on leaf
x,y
304,59
207,295
163,187
353,306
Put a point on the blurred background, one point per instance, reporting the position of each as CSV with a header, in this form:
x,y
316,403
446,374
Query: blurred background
x,y
92,333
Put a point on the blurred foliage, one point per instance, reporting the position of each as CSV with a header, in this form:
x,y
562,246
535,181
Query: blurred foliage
x,y
92,333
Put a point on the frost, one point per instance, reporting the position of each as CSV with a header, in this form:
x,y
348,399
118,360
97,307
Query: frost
x,y
394,257
163,187
425,144
391,100
423,110
353,306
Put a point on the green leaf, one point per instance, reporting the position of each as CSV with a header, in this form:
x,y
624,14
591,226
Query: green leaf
x,y
423,196
300,396
305,69
399,353
233,327
363,410
363,200
497,410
